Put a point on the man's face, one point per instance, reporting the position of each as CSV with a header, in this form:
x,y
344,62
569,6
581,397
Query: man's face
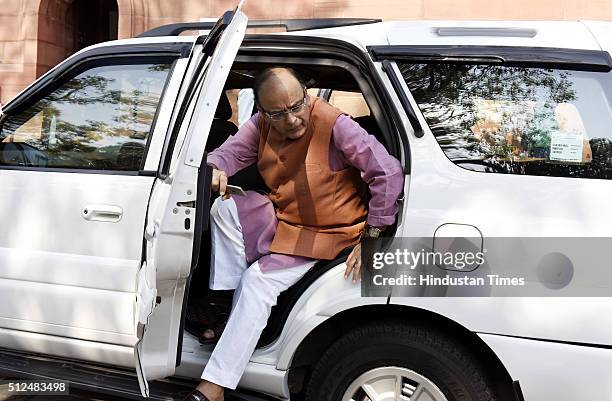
x,y
280,93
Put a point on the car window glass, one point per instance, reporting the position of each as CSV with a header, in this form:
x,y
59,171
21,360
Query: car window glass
x,y
242,102
351,103
99,119
534,121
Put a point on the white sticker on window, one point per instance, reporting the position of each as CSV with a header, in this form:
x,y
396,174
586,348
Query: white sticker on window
x,y
566,147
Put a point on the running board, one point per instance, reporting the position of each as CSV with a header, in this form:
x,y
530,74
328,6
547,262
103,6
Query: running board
x,y
100,379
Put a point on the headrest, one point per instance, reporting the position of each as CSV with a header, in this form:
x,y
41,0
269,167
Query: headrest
x,y
224,109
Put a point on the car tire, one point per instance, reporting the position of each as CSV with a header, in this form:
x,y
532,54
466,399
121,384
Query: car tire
x,y
400,355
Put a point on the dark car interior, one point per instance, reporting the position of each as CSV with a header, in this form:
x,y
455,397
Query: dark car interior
x,y
324,78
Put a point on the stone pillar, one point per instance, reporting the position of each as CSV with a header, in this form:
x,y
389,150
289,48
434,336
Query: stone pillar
x,y
17,46
55,33
132,18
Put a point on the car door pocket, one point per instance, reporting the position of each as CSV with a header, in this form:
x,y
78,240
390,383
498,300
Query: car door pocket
x,y
107,213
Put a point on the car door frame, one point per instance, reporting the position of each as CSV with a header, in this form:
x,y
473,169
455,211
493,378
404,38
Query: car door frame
x,y
291,334
171,238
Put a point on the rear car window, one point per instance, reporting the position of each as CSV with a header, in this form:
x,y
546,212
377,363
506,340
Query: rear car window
x,y
352,103
518,120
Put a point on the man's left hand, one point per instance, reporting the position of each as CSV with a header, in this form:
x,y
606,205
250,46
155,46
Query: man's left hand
x,y
353,263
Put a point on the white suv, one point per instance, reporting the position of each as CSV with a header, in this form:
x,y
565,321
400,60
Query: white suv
x,y
105,202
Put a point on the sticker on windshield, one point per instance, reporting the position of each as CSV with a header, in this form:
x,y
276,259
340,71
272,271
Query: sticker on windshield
x,y
566,147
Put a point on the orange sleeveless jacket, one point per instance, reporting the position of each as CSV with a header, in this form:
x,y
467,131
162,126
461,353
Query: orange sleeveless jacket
x,y
320,212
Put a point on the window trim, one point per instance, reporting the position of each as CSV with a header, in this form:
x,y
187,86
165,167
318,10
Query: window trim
x,y
73,71
403,98
144,173
512,56
157,111
176,50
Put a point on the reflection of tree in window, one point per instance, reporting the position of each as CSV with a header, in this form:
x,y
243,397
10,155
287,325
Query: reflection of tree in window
x,y
602,157
88,119
447,94
503,118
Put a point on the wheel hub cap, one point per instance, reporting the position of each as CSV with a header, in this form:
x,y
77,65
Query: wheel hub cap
x,y
392,384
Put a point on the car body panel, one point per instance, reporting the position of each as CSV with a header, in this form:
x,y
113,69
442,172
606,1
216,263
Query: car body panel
x,y
555,371
328,296
601,31
44,275
560,34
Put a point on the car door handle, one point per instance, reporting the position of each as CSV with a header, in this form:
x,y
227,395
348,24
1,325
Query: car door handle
x,y
107,213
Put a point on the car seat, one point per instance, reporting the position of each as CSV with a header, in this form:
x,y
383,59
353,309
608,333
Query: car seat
x,y
221,128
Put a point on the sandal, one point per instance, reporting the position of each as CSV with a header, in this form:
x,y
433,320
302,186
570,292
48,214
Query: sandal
x,y
217,328
208,312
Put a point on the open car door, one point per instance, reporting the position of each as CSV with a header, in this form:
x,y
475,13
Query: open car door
x,y
178,209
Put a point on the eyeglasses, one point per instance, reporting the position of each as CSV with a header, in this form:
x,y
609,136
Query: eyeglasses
x,y
279,115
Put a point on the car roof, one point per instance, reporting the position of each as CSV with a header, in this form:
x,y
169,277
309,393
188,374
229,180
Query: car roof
x,y
141,41
559,34
587,35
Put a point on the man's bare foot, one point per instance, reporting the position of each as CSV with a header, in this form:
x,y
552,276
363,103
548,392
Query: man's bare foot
x,y
212,391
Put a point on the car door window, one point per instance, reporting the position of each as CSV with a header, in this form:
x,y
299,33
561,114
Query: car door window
x,y
99,119
351,103
518,120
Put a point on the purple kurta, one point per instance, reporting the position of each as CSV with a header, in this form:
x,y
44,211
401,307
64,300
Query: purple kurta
x,y
350,146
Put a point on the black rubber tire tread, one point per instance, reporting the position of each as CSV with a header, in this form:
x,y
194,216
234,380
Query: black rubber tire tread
x,y
422,349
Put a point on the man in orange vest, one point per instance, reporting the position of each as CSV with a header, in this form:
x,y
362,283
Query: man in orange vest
x,y
318,164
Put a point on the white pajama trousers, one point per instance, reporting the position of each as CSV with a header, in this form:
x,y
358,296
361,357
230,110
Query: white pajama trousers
x,y
256,293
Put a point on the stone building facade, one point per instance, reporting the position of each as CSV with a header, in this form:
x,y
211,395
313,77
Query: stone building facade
x,y
37,34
